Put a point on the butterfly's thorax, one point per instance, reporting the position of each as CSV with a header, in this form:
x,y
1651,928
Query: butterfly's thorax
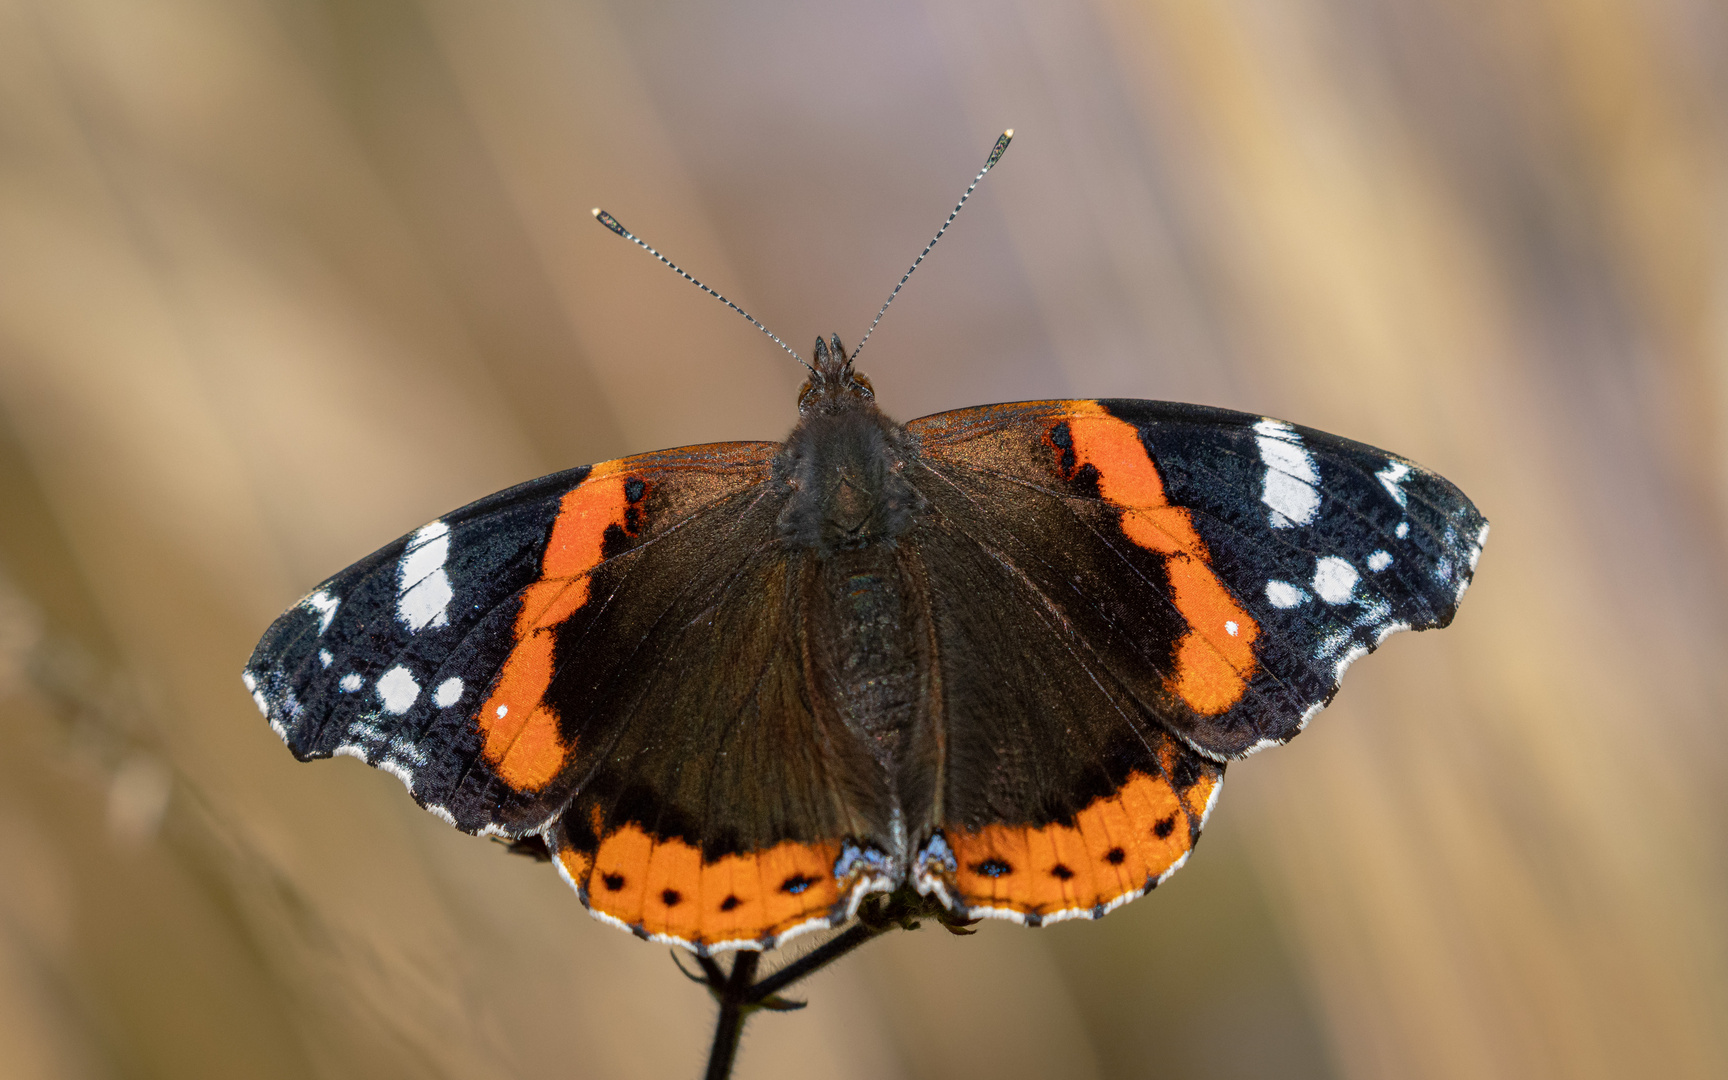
x,y
844,476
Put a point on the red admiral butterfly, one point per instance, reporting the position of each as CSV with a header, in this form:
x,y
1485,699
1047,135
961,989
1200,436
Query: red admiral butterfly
x,y
1000,655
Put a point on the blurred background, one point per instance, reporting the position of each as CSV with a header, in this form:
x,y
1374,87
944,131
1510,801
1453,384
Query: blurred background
x,y
280,281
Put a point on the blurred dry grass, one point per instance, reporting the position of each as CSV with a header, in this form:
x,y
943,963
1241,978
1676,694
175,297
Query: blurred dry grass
x,y
280,281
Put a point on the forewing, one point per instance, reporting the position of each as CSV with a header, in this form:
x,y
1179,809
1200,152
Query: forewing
x,y
1224,568
393,659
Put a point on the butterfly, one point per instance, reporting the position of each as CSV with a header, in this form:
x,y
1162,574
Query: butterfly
x,y
1000,656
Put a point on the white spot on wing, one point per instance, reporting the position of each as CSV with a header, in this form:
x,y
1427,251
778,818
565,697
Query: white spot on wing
x,y
503,710
1282,594
1392,479
350,683
397,690
1290,474
324,657
1231,628
1292,501
1402,531
1379,561
449,692
1334,579
325,605
425,587
427,549
427,603
1281,448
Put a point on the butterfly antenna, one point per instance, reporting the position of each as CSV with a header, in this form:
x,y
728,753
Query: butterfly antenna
x,y
612,223
996,153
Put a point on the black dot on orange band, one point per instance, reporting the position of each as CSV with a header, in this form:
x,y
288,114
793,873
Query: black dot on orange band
x,y
1060,872
796,884
671,897
613,881
1116,856
729,903
992,868
1163,828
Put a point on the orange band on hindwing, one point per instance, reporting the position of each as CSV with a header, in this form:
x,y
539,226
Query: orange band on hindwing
x,y
1215,658
1116,847
520,732
665,888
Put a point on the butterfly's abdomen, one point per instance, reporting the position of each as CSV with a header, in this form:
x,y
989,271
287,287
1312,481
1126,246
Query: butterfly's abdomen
x,y
866,640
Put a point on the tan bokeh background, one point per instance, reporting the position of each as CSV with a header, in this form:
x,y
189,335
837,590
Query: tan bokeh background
x,y
281,281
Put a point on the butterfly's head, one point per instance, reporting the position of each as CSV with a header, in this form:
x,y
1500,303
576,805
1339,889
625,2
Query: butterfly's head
x,y
833,385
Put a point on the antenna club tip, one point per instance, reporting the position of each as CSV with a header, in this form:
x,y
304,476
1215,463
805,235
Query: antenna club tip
x,y
1008,134
596,211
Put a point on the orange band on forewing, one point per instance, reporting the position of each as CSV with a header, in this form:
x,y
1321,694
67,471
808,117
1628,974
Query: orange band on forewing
x,y
1114,848
522,741
665,887
1216,657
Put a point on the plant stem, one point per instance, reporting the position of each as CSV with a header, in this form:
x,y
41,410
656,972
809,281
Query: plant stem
x,y
816,960
740,993
731,1024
